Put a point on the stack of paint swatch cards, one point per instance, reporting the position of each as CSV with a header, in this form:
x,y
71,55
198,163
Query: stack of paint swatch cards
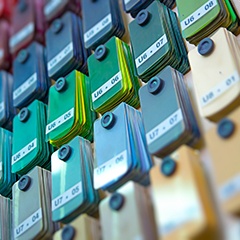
x,y
5,57
222,142
111,75
30,78
7,111
29,146
7,178
55,8
120,149
84,227
102,19
69,110
215,67
165,46
167,112
135,6
28,24
200,19
32,215
69,53
72,184
5,218
181,179
115,211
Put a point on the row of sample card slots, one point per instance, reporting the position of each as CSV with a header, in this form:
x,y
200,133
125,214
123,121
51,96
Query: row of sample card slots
x,y
78,156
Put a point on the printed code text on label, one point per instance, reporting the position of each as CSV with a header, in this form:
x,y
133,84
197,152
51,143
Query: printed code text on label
x,y
151,51
165,126
24,151
219,89
59,121
106,87
110,170
199,13
28,223
54,61
67,196
25,86
97,28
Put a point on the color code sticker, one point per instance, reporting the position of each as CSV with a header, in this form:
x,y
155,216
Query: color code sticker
x,y
164,126
179,217
199,13
1,53
21,35
28,223
60,56
59,121
67,196
126,1
219,89
2,107
25,86
155,47
97,28
230,189
51,6
24,151
110,170
106,87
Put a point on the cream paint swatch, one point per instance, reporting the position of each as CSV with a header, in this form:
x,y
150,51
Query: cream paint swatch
x,y
134,221
225,155
85,227
216,77
182,204
33,221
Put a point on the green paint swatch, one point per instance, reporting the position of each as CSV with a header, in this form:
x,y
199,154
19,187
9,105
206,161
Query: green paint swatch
x,y
164,47
112,79
69,112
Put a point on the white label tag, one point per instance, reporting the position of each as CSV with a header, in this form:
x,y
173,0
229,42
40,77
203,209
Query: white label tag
x,y
138,238
54,61
97,28
110,170
106,86
230,189
28,223
2,107
1,53
50,6
151,51
178,218
126,1
164,126
67,196
199,13
26,85
24,151
59,121
219,89
23,33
